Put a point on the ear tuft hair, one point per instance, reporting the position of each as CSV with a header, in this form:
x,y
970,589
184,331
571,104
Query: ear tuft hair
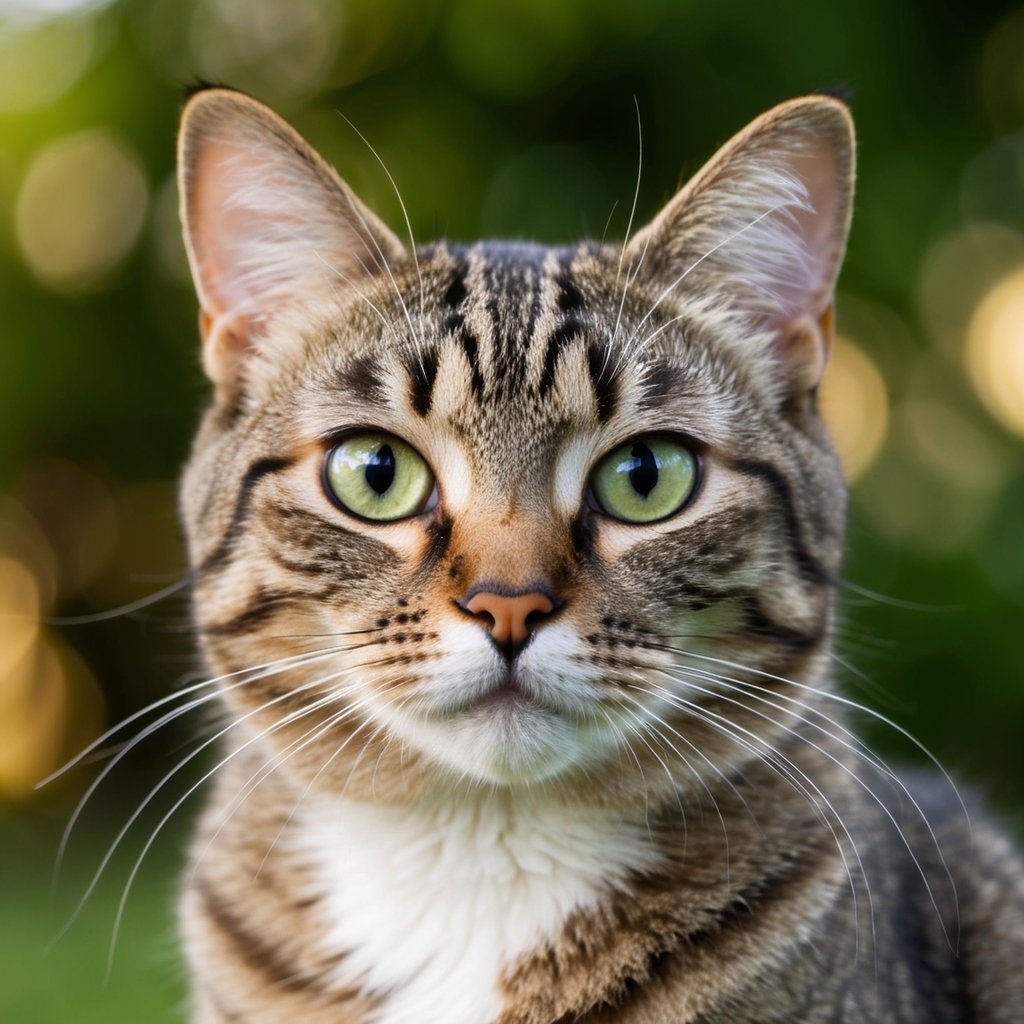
x,y
763,226
267,222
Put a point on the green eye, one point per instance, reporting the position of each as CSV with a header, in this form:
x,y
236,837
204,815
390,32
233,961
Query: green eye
x,y
378,477
645,480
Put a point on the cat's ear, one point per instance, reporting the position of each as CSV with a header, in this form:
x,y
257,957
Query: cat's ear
x,y
266,221
760,230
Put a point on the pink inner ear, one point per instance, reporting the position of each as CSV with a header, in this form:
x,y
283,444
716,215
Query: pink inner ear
x,y
225,229
821,230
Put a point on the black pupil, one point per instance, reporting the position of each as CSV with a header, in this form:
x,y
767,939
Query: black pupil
x,y
643,470
380,469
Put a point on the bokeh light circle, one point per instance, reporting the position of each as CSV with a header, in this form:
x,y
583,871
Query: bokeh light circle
x,y
80,211
995,351
855,406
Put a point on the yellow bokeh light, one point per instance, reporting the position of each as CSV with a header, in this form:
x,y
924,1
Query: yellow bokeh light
x,y
81,208
855,406
50,703
52,707
995,351
19,616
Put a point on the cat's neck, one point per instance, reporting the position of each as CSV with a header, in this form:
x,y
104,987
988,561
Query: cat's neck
x,y
432,901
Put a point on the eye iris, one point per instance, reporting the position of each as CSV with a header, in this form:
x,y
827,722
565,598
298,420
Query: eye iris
x,y
380,470
644,480
378,477
643,471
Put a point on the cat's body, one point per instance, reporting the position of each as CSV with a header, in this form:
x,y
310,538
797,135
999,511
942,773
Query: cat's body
x,y
514,743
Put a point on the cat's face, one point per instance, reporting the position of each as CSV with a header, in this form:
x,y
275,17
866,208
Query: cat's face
x,y
503,513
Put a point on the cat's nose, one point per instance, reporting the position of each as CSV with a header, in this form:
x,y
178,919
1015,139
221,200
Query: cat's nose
x,y
509,618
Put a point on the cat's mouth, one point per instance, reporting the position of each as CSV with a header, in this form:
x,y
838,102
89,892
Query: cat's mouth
x,y
505,724
507,695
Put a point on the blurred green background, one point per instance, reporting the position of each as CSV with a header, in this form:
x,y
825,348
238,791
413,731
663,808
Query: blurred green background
x,y
513,118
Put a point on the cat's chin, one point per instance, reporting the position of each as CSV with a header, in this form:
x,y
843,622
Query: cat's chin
x,y
509,741
505,736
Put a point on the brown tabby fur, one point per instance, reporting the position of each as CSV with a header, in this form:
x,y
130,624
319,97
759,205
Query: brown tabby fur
x,y
792,877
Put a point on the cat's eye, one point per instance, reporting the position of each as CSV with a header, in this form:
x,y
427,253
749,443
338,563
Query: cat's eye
x,y
644,480
378,477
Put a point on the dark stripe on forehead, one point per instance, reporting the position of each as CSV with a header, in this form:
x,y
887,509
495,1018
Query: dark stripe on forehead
x,y
511,291
363,379
604,381
454,322
253,475
570,298
422,370
570,303
471,348
454,296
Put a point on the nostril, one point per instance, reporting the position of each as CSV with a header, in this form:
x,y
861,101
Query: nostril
x,y
534,618
482,613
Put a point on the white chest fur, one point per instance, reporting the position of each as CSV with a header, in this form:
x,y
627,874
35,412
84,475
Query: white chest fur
x,y
429,903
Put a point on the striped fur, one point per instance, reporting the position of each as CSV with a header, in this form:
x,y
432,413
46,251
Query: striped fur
x,y
668,819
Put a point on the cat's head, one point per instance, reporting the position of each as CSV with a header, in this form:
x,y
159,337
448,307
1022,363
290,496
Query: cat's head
x,y
508,513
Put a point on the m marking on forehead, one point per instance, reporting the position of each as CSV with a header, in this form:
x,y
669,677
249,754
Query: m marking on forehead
x,y
511,283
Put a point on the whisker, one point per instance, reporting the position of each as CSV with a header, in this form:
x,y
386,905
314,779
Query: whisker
x,y
718,771
629,228
353,284
176,695
234,723
895,602
643,778
401,203
846,702
697,262
332,696
261,672
125,609
272,764
816,798
870,760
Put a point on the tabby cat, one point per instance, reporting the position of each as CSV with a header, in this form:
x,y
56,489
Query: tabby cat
x,y
517,568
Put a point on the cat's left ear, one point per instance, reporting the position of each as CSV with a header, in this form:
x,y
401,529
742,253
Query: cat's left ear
x,y
268,224
760,231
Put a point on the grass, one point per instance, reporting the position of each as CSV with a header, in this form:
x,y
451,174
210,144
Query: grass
x,y
43,981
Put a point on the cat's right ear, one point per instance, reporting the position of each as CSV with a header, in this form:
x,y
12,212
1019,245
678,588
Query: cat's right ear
x,y
758,233
266,221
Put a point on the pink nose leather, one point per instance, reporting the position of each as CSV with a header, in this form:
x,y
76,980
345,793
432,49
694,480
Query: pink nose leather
x,y
509,614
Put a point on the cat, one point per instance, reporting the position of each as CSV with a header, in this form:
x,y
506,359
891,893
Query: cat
x,y
517,568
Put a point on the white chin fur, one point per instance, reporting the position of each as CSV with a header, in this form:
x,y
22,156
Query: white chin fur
x,y
552,726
